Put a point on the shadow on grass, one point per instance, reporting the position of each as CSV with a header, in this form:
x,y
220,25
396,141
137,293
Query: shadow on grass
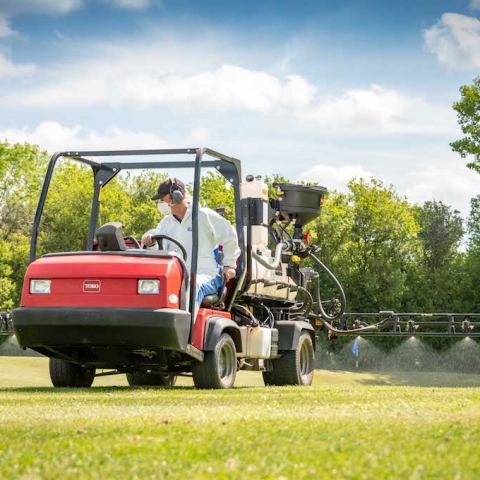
x,y
61,390
422,379
111,389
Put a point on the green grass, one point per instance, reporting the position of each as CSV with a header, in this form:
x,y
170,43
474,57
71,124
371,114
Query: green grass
x,y
347,425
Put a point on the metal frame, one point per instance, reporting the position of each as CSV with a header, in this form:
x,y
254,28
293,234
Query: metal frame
x,y
407,324
104,171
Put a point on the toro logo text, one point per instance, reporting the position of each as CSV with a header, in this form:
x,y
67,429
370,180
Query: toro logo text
x,y
91,286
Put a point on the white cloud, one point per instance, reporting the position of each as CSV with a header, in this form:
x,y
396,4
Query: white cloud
x,y
129,4
228,87
380,109
474,4
449,181
198,137
455,41
142,76
5,29
9,69
333,177
53,137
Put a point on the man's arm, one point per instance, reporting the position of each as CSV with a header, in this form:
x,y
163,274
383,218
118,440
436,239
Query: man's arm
x,y
225,234
147,236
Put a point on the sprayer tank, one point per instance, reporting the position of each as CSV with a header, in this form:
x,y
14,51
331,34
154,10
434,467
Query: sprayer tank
x,y
264,281
256,192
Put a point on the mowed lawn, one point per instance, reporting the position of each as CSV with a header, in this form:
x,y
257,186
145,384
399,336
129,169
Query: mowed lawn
x,y
348,425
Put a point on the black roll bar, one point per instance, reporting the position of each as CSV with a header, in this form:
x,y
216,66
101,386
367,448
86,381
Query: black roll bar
x,y
103,172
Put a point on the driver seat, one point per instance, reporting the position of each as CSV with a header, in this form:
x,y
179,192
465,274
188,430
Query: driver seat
x,y
216,299
110,238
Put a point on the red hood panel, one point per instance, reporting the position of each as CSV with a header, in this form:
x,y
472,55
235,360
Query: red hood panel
x,y
104,281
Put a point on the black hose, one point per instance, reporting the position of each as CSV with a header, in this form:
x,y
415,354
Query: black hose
x,y
307,304
343,300
275,236
253,321
271,318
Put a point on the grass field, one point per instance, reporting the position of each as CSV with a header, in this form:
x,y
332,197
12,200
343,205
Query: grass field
x,y
347,425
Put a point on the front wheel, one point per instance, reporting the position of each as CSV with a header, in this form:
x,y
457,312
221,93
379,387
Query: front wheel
x,y
294,367
219,367
67,374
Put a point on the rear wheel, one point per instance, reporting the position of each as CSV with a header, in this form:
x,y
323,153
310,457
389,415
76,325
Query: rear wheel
x,y
219,367
67,374
294,367
150,380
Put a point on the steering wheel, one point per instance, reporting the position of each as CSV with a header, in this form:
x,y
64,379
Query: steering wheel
x,y
133,240
170,239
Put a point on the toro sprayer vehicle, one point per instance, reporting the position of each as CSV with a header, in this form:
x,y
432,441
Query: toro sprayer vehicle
x,y
117,308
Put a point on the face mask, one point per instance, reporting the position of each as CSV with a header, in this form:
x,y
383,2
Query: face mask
x,y
164,208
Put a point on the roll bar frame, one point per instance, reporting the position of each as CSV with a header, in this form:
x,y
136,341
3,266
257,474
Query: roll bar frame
x,y
104,171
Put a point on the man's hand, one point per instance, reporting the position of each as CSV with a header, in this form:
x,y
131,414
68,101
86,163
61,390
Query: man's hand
x,y
228,273
148,241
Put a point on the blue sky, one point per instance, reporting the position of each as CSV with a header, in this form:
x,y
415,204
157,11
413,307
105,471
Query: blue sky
x,y
314,90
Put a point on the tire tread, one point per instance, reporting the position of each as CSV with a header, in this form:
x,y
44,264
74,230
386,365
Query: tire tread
x,y
67,374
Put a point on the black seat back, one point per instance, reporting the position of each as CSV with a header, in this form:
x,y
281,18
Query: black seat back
x,y
110,238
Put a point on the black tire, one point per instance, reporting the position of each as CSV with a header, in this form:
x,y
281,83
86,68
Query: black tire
x,y
66,374
219,367
294,367
150,380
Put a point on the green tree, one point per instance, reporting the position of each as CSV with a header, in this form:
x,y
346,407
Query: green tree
x,y
369,238
65,218
143,213
470,285
441,231
216,192
468,114
7,284
21,171
473,224
438,276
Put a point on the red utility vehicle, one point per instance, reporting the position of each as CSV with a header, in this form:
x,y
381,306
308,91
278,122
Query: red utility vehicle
x,y
121,308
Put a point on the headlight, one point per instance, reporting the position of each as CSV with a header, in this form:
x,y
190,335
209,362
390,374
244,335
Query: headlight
x,y
40,286
148,287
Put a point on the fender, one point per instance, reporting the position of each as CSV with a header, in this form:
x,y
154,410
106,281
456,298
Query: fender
x,y
289,332
216,325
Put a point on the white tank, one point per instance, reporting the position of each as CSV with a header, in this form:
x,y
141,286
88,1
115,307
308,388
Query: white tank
x,y
259,342
258,189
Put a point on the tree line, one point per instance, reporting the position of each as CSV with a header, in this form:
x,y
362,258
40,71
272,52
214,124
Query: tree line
x,y
388,253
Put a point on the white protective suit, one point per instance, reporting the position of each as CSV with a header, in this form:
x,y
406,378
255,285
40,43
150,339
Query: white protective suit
x,y
213,230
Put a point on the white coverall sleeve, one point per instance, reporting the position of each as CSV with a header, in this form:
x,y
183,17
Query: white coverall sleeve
x,y
160,230
224,234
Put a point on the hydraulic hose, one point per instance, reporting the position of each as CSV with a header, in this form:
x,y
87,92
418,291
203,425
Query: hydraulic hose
x,y
307,304
276,260
343,300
